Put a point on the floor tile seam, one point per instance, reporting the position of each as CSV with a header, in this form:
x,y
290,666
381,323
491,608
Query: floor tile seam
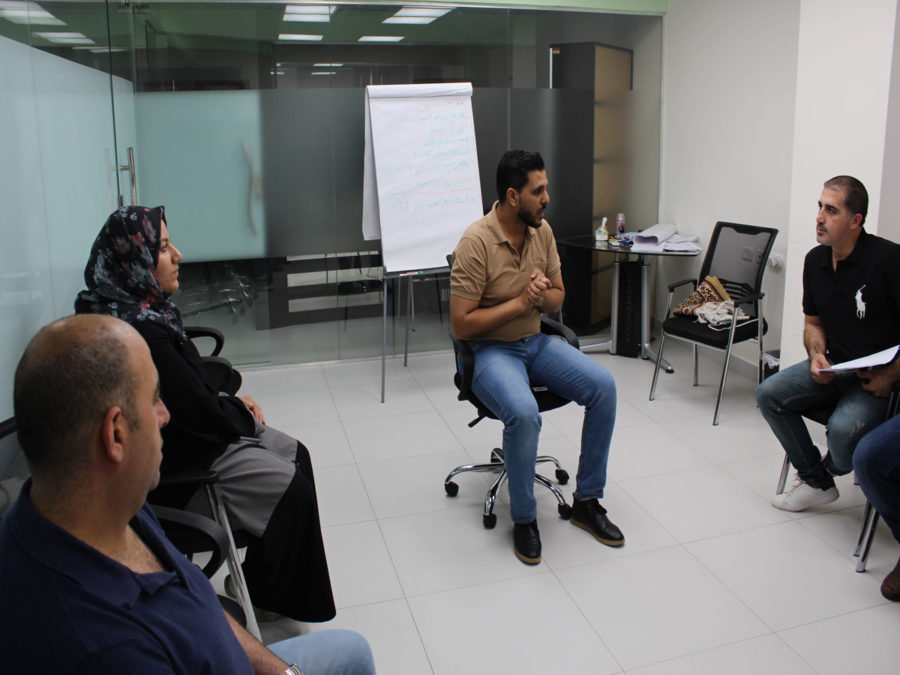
x,y
381,414
808,516
429,511
621,554
729,590
673,659
620,483
775,453
584,616
832,617
412,617
741,530
668,472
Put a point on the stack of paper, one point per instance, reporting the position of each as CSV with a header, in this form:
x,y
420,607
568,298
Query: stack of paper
x,y
655,234
681,242
660,237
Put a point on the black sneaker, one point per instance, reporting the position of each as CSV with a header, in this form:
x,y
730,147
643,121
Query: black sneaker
x,y
527,542
590,516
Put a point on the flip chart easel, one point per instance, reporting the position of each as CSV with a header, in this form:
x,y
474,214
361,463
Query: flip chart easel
x,y
421,187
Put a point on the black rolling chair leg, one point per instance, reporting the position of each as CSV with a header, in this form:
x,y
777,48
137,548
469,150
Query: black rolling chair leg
x,y
491,497
550,485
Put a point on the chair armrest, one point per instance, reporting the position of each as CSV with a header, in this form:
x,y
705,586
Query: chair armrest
x,y
749,298
201,532
207,331
207,477
672,287
462,351
222,374
553,327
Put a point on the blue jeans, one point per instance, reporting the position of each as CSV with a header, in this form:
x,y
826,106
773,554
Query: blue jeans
x,y
783,398
877,465
501,381
335,652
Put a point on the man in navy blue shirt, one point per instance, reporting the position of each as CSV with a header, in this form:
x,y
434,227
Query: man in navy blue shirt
x,y
851,305
88,581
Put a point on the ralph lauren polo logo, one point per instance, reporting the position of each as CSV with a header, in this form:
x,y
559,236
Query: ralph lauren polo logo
x,y
860,303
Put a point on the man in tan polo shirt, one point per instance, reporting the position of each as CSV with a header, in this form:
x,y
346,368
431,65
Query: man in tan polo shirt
x,y
506,271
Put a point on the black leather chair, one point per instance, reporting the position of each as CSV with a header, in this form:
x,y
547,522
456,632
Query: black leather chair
x,y
737,256
227,380
546,400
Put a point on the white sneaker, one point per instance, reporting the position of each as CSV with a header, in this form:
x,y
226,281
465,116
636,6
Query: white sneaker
x,y
802,495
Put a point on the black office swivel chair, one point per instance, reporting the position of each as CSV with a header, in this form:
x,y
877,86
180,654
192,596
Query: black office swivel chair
x,y
737,256
546,400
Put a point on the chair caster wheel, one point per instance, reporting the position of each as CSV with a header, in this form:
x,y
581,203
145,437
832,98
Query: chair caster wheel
x,y
451,488
489,521
562,476
565,511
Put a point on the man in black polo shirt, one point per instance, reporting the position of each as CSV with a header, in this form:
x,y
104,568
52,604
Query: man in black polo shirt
x,y
851,303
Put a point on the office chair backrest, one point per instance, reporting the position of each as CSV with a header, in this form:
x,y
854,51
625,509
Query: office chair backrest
x,y
13,468
737,256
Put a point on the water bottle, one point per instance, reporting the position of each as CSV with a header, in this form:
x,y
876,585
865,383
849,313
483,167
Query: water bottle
x,y
620,224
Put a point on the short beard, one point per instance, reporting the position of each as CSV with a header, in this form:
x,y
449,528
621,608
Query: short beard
x,y
528,220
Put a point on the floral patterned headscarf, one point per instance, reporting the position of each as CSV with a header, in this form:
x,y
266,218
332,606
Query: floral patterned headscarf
x,y
121,273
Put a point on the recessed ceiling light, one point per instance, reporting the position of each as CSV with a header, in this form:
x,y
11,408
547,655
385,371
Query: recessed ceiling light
x,y
327,65
308,18
434,12
309,13
66,38
27,13
324,72
300,36
309,9
381,38
420,20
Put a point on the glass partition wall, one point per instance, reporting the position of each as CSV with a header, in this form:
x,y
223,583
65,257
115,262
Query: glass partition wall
x,y
246,121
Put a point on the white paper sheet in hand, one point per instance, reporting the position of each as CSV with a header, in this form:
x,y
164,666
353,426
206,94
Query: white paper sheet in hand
x,y
870,361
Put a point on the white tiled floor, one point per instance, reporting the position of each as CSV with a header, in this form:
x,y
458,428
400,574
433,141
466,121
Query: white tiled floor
x,y
711,580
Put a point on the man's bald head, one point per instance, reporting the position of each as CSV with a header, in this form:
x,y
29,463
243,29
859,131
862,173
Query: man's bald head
x,y
72,372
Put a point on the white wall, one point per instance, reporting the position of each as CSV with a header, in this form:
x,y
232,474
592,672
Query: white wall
x,y
889,215
762,102
729,73
843,83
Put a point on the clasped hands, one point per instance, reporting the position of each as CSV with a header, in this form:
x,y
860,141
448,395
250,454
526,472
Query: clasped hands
x,y
536,290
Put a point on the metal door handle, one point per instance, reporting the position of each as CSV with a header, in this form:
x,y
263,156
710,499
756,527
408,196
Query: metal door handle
x,y
130,169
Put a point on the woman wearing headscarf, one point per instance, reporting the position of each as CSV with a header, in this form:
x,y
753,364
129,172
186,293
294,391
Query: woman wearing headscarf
x,y
265,476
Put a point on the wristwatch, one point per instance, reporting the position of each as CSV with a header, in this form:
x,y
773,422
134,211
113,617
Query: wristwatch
x,y
293,669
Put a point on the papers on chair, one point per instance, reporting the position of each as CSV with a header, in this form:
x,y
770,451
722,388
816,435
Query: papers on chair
x,y
871,361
